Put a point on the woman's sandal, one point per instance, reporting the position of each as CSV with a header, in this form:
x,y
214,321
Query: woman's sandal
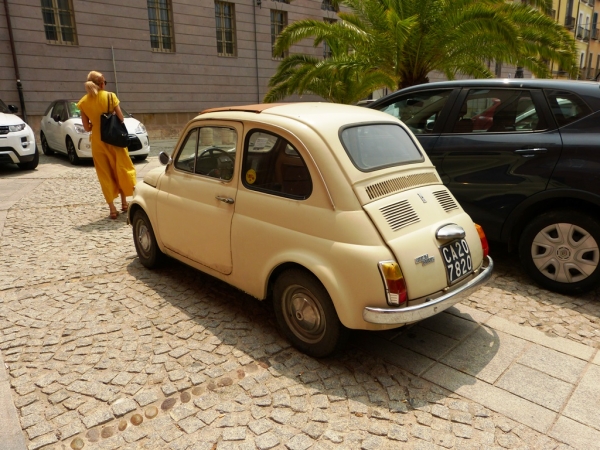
x,y
124,207
113,215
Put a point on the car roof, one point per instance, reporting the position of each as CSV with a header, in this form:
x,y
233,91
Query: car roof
x,y
314,114
589,90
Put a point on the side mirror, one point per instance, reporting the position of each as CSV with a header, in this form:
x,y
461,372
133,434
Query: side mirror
x,y
164,158
13,109
56,117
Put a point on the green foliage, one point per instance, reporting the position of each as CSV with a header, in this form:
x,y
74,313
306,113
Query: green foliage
x,y
397,43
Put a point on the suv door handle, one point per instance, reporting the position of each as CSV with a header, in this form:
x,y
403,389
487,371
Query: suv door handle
x,y
227,200
529,152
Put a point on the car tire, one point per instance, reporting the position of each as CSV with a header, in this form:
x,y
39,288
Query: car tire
x,y
45,147
72,153
31,165
141,157
146,246
306,315
560,251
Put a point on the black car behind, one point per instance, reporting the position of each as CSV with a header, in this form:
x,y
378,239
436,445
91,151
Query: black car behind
x,y
522,156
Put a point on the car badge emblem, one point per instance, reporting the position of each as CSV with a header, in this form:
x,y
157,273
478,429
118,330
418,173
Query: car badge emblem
x,y
424,259
422,198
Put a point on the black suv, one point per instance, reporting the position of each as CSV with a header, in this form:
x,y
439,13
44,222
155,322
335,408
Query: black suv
x,y
522,156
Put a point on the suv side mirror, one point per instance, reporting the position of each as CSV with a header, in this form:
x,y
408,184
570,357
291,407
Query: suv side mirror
x,y
13,109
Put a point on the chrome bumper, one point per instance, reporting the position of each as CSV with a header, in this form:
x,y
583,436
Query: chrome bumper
x,y
410,314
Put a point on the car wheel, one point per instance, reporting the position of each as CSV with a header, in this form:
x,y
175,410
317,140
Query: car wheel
x,y
145,243
141,157
559,250
45,147
30,165
72,153
306,315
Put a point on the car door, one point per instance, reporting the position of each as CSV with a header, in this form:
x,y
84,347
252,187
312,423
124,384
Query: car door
x,y
53,127
498,147
424,112
196,200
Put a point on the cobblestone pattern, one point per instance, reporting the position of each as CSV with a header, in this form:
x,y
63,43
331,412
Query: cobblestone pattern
x,y
105,354
513,296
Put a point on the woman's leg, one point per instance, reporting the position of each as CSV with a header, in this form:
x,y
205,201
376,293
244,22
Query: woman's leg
x,y
124,204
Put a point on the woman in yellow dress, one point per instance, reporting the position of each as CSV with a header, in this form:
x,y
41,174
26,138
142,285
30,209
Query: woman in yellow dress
x,y
114,168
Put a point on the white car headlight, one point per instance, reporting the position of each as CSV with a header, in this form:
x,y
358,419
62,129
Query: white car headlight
x,y
79,129
13,128
140,129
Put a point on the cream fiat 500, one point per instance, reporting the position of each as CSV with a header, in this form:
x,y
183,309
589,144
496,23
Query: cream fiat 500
x,y
332,211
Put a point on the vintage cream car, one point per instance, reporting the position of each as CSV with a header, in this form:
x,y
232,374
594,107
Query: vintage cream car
x,y
333,211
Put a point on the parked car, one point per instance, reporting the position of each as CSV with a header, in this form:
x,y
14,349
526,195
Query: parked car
x,y
333,211
521,156
17,140
62,131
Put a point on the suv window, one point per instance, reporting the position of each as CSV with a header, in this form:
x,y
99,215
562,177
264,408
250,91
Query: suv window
x,y
498,111
418,110
271,164
209,151
375,146
566,106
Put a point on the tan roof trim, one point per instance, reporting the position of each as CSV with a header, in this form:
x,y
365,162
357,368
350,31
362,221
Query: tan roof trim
x,y
257,108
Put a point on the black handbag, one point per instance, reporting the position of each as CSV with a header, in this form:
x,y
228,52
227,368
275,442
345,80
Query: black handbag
x,y
112,130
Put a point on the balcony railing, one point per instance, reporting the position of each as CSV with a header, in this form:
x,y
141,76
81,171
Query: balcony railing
x,y
579,33
595,33
586,34
569,22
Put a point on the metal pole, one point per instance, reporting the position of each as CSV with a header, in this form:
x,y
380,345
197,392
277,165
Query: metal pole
x,y
258,2
114,70
16,66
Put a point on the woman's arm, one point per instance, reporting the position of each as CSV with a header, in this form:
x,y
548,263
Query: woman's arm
x,y
119,113
87,125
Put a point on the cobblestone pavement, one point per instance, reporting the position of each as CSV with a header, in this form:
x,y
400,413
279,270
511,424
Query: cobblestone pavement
x,y
103,353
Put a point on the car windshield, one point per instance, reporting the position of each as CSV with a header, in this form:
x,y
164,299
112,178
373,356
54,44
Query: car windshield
x,y
375,146
74,111
4,108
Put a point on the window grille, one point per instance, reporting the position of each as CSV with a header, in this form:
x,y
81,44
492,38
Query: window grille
x,y
160,20
59,22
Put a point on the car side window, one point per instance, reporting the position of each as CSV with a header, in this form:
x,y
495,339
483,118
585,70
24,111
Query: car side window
x,y
186,158
209,151
59,111
418,110
272,165
566,106
498,111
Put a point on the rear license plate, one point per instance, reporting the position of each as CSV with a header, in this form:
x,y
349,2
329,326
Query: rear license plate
x,y
457,259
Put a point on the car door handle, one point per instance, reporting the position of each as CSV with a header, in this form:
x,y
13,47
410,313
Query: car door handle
x,y
227,200
529,152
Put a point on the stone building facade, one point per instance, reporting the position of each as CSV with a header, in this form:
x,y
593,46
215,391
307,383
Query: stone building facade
x,y
166,59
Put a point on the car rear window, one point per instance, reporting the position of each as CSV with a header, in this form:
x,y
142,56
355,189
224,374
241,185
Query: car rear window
x,y
375,146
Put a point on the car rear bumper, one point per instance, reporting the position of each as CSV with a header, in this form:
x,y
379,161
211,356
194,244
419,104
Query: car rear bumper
x,y
410,314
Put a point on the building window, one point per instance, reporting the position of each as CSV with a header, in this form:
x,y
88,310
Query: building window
x,y
282,1
327,53
328,5
59,23
225,18
278,23
161,25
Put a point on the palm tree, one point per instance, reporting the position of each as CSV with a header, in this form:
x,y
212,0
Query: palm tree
x,y
397,43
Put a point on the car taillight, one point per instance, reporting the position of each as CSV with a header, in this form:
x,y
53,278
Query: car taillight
x,y
484,243
395,287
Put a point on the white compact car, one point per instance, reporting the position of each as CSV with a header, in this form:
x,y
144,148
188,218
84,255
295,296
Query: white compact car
x,y
17,140
333,211
62,131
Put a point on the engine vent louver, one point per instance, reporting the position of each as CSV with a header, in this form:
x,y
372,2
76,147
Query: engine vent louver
x,y
399,215
399,184
445,200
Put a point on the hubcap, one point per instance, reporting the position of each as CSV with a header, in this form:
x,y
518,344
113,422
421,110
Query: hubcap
x,y
304,314
565,252
144,238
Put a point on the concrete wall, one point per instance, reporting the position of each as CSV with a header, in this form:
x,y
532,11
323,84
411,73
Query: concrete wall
x,y
162,89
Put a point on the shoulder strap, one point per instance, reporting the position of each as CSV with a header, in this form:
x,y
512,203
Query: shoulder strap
x,y
109,102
